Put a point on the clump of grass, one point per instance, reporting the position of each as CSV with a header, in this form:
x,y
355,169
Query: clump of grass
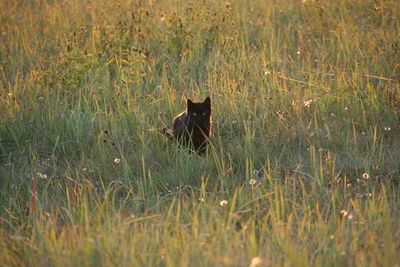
x,y
304,163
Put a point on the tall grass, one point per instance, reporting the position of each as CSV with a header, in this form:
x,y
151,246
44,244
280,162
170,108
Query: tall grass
x,y
304,163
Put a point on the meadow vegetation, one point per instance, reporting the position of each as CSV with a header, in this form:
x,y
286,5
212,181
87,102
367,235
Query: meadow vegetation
x,y
303,169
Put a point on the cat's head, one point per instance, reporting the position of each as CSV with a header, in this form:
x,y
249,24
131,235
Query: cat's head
x,y
201,111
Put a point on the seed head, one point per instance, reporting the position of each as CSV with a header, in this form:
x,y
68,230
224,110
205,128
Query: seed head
x,y
223,203
256,261
344,213
307,103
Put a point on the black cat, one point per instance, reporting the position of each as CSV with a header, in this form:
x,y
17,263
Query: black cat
x,y
192,128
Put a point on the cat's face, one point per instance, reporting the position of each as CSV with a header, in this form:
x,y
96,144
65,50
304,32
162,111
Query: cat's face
x,y
199,112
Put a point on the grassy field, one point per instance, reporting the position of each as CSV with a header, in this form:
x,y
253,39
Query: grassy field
x,y
303,169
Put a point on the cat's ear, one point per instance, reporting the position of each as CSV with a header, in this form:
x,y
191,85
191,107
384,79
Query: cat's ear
x,y
207,101
189,104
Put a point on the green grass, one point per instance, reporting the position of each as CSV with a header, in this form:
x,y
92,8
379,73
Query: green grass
x,y
304,92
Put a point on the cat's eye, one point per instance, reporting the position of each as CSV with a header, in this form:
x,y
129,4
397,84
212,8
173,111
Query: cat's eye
x,y
194,114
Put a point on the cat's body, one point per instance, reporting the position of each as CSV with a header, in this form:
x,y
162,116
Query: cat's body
x,y
192,128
